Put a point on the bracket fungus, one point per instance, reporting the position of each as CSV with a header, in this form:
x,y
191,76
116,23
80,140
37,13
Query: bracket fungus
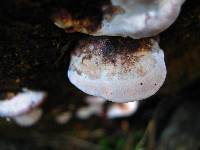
x,y
141,18
118,69
133,18
21,103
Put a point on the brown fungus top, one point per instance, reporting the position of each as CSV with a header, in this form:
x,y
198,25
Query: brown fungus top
x,y
113,49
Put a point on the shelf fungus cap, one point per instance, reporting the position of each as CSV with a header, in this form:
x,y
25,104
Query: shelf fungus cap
x,y
21,103
141,18
117,69
127,18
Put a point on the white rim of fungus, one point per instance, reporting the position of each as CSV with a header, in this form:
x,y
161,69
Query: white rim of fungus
x,y
132,88
29,118
122,110
21,103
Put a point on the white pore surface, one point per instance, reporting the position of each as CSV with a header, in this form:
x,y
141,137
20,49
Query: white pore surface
x,y
125,110
21,103
110,82
29,118
142,18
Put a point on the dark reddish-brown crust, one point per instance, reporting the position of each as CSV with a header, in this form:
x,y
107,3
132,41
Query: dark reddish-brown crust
x,y
72,24
88,18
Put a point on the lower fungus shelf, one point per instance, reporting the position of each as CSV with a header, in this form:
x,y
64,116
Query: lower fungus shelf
x,y
93,70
